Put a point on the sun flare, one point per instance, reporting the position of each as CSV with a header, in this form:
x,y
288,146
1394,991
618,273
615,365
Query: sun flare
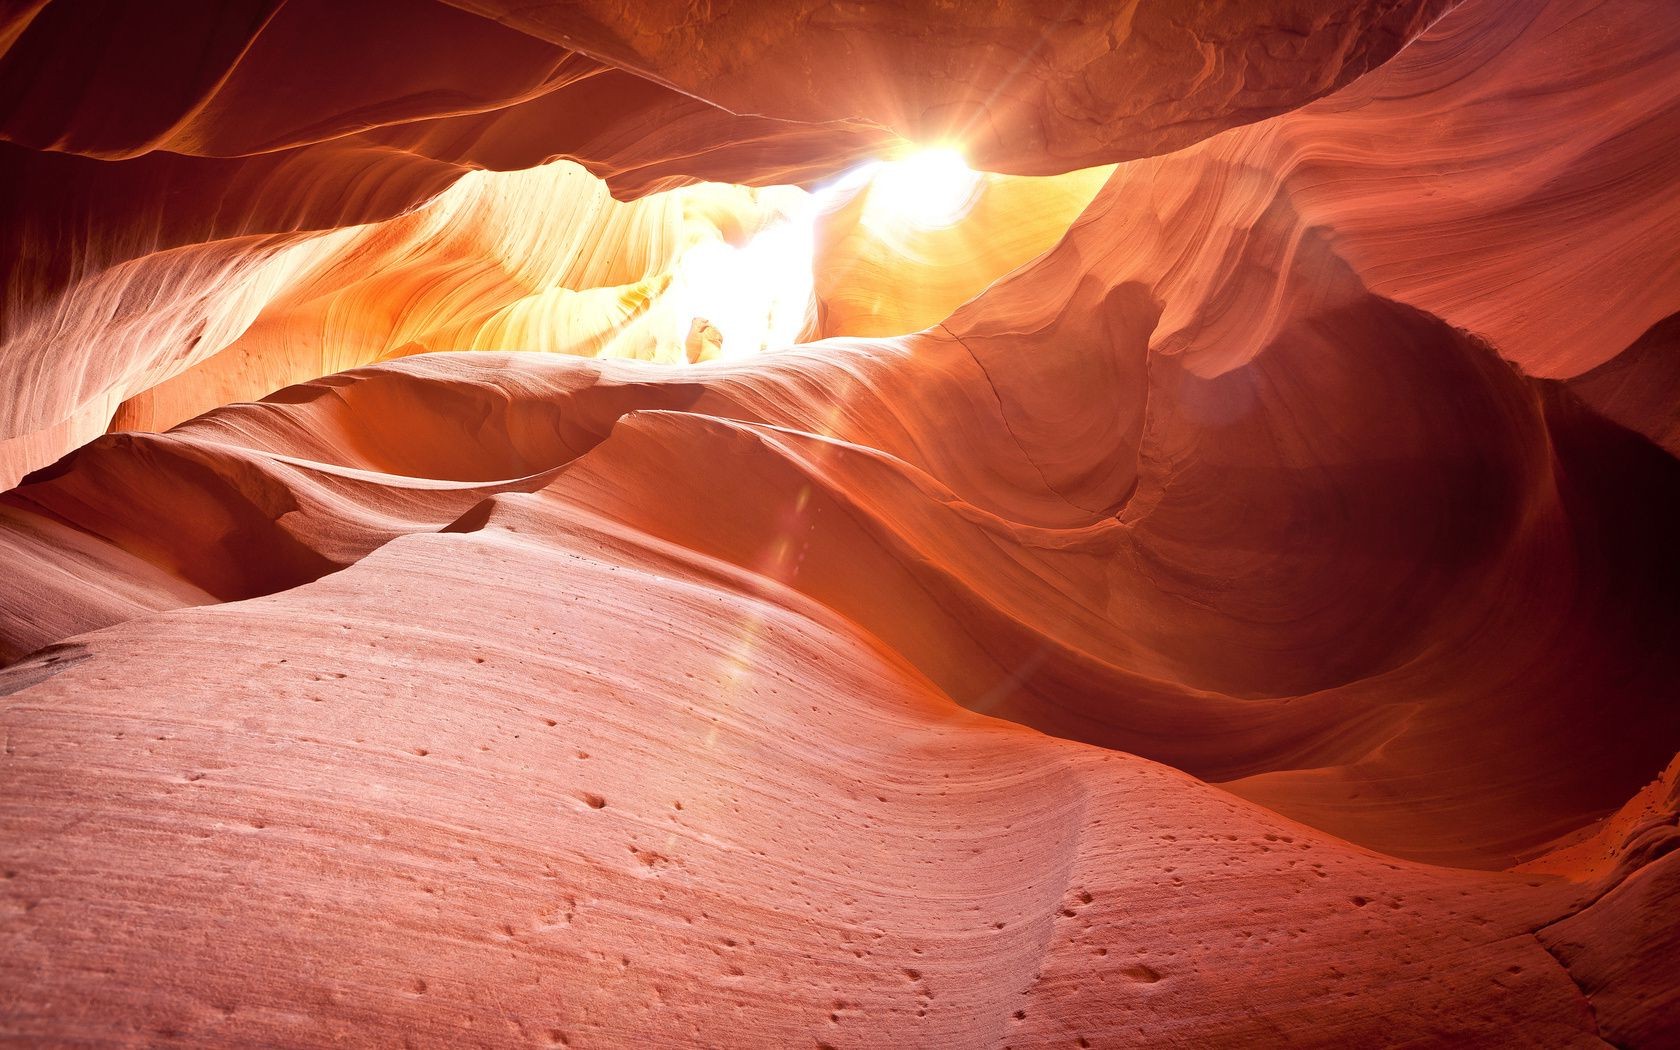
x,y
929,188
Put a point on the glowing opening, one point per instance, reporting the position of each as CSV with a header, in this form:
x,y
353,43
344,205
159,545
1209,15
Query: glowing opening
x,y
734,302
930,188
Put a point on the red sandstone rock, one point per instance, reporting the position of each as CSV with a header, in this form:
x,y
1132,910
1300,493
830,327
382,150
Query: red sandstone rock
x,y
268,119
1033,88
1248,622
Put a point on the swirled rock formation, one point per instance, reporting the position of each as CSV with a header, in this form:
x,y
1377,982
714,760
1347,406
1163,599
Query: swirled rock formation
x,y
140,131
470,270
1222,598
154,207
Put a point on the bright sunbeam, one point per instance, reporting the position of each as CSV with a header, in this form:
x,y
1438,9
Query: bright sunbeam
x,y
734,302
929,189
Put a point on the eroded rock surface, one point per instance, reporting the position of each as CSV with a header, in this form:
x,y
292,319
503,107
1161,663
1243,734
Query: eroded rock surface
x,y
1240,614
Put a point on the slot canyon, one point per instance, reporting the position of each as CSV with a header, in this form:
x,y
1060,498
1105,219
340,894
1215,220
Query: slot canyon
x,y
793,523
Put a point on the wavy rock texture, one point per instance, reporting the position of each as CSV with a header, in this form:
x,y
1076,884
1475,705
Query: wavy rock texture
x,y
229,140
1033,88
1036,85
1248,622
543,259
547,260
1278,288
153,206
799,762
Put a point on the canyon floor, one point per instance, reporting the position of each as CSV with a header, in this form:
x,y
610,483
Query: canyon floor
x,y
1214,583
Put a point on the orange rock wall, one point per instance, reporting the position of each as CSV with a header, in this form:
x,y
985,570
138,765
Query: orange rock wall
x,y
1246,620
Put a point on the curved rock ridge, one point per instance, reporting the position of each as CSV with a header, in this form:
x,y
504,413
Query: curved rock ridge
x,y
118,82
543,259
1248,620
1462,178
1304,641
1277,303
152,206
807,849
627,576
539,259
595,277
1034,88
226,131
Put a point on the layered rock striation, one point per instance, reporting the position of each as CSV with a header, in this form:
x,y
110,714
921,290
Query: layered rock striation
x,y
1238,614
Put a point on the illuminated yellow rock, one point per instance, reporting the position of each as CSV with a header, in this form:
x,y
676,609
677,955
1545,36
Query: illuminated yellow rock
x,y
906,247
543,259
